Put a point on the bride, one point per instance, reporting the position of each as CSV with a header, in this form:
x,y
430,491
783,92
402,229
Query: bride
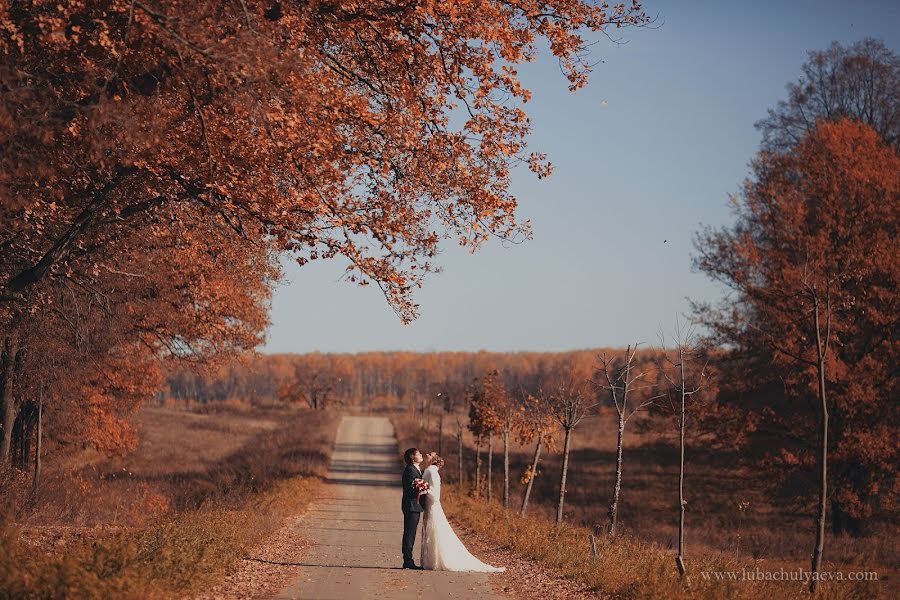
x,y
441,549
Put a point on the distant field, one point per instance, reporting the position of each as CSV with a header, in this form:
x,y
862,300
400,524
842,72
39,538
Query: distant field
x,y
183,458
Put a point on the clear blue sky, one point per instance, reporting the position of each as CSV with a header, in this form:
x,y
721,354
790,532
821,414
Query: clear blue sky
x,y
659,158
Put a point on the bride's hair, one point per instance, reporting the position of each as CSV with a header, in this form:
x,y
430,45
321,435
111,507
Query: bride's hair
x,y
434,459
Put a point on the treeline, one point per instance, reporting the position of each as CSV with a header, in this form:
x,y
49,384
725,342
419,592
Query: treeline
x,y
369,380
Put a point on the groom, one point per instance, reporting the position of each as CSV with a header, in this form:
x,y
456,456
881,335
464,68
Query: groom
x,y
412,510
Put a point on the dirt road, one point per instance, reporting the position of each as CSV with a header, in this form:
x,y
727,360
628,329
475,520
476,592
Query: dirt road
x,y
357,524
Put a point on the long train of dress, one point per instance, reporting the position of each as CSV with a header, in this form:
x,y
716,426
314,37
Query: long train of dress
x,y
442,550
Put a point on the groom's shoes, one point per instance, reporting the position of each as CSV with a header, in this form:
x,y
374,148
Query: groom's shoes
x,y
411,566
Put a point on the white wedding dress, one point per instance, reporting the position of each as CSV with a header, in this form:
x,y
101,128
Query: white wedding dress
x,y
441,549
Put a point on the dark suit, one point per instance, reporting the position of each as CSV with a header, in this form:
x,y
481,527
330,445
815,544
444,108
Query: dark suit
x,y
412,510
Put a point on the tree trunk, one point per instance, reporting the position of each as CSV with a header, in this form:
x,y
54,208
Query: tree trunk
x,y
679,558
441,434
562,478
506,468
37,446
478,466
614,505
490,467
9,408
459,457
534,465
29,420
16,446
823,453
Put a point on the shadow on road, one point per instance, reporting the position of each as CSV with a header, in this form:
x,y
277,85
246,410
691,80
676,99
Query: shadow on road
x,y
296,564
354,481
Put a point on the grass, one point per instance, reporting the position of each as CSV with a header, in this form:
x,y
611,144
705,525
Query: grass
x,y
178,553
217,484
768,536
626,567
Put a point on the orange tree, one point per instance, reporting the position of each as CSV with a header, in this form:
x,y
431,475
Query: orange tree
x,y
339,128
134,128
812,273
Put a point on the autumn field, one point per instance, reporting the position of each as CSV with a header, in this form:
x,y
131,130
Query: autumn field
x,y
735,519
169,518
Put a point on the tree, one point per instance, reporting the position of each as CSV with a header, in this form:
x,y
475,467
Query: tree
x,y
10,352
92,353
479,425
570,406
623,377
487,402
315,378
508,414
449,393
811,270
459,451
536,424
501,415
684,385
327,125
859,82
207,132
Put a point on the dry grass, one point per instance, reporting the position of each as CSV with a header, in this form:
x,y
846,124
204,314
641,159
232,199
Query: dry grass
x,y
768,535
177,553
626,567
168,519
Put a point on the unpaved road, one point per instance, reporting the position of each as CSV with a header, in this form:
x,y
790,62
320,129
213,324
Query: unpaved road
x,y
356,526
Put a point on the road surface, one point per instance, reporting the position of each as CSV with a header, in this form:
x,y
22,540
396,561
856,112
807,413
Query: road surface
x,y
356,526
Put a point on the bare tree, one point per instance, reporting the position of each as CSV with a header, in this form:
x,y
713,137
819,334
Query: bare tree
x,y
459,450
623,380
823,343
476,486
860,81
451,395
508,415
490,465
683,386
444,404
570,407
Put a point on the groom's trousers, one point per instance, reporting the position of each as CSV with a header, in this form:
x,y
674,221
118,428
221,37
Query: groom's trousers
x,y
410,525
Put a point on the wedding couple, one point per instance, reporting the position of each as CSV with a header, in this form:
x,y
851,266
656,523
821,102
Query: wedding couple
x,y
441,549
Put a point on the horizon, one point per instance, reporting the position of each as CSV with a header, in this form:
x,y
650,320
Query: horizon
x,y
451,351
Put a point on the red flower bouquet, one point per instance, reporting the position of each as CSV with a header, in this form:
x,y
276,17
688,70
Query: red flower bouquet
x,y
421,487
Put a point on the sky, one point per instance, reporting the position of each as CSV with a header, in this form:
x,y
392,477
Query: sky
x,y
643,157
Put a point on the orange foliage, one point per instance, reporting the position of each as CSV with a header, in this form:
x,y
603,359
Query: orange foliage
x,y
157,158
823,216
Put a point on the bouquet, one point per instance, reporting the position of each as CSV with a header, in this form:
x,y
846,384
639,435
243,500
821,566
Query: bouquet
x,y
421,486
